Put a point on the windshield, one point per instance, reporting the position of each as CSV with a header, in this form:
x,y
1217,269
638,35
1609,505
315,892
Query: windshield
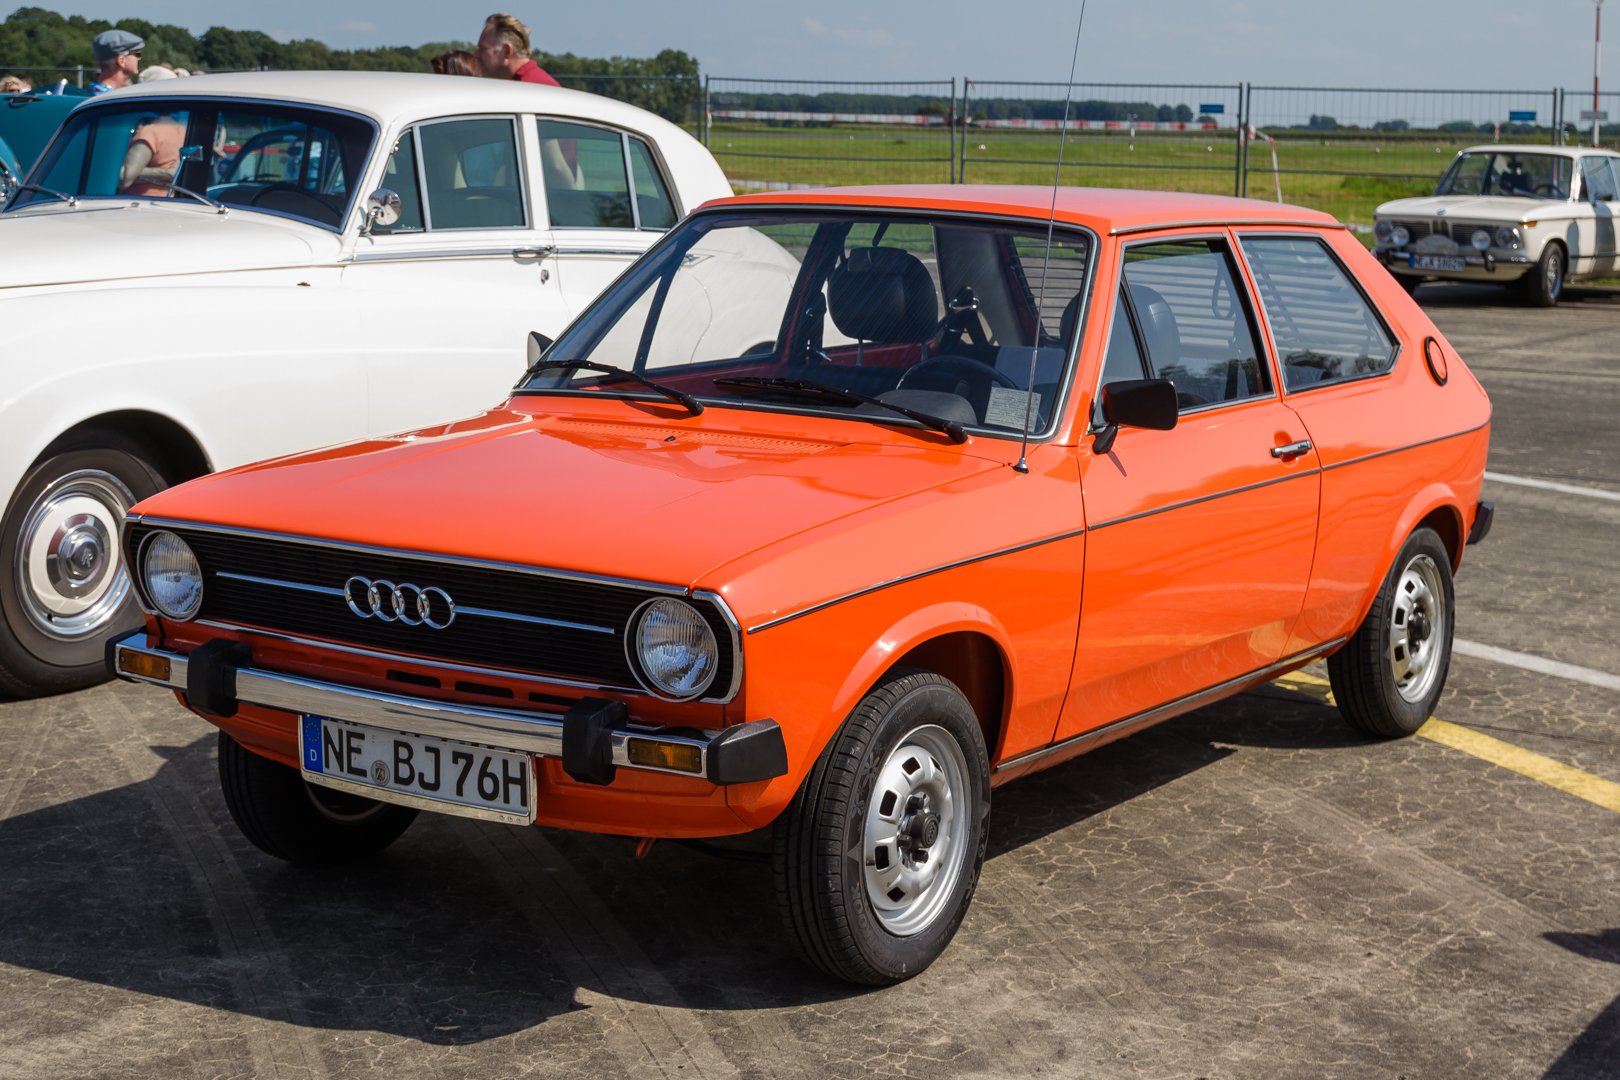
x,y
940,316
1531,176
282,159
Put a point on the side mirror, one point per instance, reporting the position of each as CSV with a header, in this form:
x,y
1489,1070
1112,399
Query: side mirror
x,y
538,344
1143,403
382,208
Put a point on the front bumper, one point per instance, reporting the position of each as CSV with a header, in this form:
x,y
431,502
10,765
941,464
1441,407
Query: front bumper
x,y
1487,267
593,738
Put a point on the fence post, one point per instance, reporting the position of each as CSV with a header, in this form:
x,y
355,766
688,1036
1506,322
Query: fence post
x,y
961,171
1248,122
705,117
950,119
1237,148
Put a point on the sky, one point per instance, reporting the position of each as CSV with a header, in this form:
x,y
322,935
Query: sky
x,y
1484,44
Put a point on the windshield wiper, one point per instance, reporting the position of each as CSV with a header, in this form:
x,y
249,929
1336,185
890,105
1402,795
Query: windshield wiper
x,y
805,388
217,205
71,200
680,397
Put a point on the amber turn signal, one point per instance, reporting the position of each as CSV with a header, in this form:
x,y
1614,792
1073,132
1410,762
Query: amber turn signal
x,y
664,755
145,665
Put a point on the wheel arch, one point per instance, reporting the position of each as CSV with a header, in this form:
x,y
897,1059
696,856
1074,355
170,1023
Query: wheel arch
x,y
180,453
1436,506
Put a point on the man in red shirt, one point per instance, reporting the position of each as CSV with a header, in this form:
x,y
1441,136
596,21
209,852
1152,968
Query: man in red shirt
x,y
503,52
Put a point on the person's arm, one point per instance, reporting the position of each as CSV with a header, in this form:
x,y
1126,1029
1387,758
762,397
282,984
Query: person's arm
x,y
135,160
558,174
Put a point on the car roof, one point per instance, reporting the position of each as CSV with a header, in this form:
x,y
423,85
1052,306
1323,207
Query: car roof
x,y
392,97
1529,148
1106,210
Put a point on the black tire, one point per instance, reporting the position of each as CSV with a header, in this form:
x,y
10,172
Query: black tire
x,y
823,890
42,652
1388,676
1545,284
283,816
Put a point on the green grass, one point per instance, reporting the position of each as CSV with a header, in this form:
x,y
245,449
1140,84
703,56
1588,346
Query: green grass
x,y
1339,174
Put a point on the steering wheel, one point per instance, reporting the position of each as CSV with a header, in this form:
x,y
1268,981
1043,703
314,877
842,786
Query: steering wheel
x,y
294,189
950,373
1544,189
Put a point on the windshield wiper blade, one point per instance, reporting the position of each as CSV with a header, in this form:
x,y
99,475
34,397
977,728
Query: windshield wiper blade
x,y
216,204
680,397
806,388
71,200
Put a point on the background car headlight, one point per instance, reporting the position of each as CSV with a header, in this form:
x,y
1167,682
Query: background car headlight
x,y
1507,238
173,577
1399,236
1381,231
1481,239
676,649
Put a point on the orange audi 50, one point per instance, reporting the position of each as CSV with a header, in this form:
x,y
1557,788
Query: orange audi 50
x,y
836,511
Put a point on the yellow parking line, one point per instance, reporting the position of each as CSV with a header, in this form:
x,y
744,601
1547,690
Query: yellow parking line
x,y
1552,773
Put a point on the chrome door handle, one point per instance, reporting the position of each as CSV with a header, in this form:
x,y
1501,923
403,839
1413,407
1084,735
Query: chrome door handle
x,y
1293,449
537,252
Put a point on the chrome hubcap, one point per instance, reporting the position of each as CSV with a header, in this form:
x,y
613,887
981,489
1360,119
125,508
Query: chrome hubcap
x,y
68,570
1417,628
915,840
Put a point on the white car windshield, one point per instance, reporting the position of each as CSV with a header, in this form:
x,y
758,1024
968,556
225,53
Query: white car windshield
x,y
837,311
1498,172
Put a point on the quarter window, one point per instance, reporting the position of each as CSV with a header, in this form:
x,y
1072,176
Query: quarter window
x,y
1323,327
400,178
587,174
471,169
1189,312
652,198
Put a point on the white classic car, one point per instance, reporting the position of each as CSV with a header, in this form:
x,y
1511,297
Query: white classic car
x,y
200,275
1537,216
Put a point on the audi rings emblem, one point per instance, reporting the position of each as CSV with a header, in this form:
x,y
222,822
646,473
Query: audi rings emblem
x,y
409,604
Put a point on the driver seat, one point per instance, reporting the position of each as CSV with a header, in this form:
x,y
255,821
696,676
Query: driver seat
x,y
883,295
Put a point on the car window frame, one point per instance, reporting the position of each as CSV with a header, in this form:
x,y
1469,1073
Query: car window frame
x,y
520,154
1251,311
625,135
220,103
1355,282
1582,195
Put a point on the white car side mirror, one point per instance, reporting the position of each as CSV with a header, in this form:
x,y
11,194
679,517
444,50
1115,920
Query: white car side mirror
x,y
382,208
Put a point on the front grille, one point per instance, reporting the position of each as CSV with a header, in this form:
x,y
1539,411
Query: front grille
x,y
1417,230
580,655
1463,232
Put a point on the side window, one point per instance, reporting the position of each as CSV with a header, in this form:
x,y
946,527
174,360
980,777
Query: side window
x,y
653,203
1124,357
1597,180
1323,328
400,178
586,185
1194,321
471,169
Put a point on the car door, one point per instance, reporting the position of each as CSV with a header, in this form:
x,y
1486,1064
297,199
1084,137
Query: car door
x,y
449,291
607,199
1598,191
1199,539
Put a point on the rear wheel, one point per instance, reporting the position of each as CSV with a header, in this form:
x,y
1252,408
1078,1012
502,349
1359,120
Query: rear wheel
x,y
63,587
1545,284
1390,673
877,857
281,815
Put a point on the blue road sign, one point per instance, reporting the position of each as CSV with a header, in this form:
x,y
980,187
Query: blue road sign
x,y
1522,117
1212,110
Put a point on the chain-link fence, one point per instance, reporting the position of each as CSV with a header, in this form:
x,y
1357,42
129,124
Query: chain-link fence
x,y
776,133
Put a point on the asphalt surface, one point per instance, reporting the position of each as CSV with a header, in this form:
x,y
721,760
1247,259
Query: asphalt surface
x,y
1249,891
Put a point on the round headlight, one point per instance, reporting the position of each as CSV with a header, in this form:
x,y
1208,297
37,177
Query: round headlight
x,y
1381,231
675,648
1400,236
1507,238
1481,239
173,578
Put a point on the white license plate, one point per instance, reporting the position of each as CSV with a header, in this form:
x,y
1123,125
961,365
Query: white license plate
x,y
1437,262
432,774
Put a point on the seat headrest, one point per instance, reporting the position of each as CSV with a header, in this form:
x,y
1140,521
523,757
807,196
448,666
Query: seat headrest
x,y
1159,325
883,295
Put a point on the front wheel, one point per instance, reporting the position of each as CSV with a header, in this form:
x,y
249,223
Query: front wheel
x,y
877,857
1390,673
1545,284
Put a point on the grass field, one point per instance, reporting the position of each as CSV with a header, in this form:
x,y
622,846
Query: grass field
x,y
1345,175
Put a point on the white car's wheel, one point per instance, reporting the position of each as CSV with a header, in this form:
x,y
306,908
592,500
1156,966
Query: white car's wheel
x,y
1545,284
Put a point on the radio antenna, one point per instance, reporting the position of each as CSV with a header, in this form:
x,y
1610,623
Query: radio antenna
x,y
1046,259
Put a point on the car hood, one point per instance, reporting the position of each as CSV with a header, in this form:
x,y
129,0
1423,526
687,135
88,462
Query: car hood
x,y
648,502
1475,208
104,240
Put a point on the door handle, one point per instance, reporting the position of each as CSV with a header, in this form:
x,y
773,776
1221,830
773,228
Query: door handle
x,y
1293,449
537,252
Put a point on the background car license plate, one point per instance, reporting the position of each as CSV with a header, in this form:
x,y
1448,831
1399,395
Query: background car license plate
x,y
1437,262
433,774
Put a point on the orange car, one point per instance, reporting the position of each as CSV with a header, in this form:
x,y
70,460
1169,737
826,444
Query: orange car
x,y
838,510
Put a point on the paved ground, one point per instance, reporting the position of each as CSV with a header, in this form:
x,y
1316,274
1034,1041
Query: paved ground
x,y
1251,891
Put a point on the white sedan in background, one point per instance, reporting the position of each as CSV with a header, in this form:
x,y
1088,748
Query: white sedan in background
x,y
1533,216
244,266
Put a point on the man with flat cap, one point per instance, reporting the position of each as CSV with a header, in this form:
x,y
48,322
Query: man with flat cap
x,y
118,52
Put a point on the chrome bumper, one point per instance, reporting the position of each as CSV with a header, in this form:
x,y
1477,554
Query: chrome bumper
x,y
734,755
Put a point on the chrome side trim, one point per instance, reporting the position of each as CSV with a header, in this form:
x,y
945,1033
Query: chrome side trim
x,y
425,556
1233,223
507,252
813,608
1172,709
599,251
1203,499
409,658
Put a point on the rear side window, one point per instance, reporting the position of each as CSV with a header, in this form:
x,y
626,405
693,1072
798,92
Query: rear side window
x,y
588,173
652,198
1597,180
1324,329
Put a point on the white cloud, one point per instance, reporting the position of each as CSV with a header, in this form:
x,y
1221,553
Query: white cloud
x,y
814,27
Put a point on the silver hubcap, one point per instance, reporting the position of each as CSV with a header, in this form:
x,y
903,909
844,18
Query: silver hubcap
x,y
1417,628
1555,274
69,574
915,840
